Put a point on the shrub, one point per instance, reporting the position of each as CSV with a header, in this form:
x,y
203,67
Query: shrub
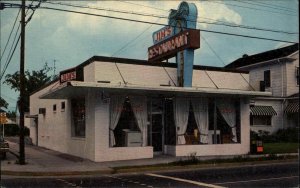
x,y
13,130
282,135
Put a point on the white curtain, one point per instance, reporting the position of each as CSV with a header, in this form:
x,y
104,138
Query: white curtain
x,y
228,111
116,106
181,115
200,108
139,108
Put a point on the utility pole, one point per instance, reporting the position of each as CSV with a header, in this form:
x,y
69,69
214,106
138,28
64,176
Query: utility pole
x,y
22,86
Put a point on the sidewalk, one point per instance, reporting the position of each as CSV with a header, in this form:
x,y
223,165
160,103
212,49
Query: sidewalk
x,y
44,162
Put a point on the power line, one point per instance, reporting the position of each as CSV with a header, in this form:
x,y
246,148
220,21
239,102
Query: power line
x,y
147,22
261,4
12,49
13,27
211,49
131,41
246,7
219,22
227,24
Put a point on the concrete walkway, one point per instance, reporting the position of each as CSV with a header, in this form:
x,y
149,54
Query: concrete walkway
x,y
41,161
44,162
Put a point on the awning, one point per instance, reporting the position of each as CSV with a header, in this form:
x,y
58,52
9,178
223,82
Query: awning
x,y
292,108
77,88
262,111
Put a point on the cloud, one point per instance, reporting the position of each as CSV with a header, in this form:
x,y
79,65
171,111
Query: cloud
x,y
209,12
213,12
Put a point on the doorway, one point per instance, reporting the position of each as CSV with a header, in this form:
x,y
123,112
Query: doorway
x,y
157,125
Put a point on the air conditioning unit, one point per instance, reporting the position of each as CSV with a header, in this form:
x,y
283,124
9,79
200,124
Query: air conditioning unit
x,y
262,86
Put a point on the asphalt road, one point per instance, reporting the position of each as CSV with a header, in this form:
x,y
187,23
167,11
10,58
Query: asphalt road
x,y
268,175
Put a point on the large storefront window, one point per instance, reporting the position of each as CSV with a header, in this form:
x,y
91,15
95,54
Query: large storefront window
x,y
128,121
78,117
224,121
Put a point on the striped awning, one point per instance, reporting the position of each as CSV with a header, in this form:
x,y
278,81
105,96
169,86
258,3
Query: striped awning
x,y
262,111
292,108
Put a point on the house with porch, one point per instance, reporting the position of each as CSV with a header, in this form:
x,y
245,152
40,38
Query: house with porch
x,y
275,71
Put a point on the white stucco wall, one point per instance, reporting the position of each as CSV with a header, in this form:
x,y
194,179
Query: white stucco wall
x,y
54,128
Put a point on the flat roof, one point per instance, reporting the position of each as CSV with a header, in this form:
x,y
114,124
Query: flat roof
x,y
77,88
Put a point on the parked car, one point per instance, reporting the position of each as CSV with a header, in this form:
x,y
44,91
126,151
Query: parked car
x,y
4,147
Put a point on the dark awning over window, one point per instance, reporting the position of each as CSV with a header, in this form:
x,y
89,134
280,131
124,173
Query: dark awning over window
x,y
292,108
262,111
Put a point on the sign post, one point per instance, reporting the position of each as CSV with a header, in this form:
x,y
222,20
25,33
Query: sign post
x,y
179,39
3,120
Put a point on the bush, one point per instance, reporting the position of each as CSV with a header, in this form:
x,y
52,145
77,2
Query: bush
x,y
282,135
13,130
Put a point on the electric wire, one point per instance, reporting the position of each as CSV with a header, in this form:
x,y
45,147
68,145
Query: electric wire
x,y
214,52
226,24
12,49
251,8
221,60
148,22
257,3
13,27
218,21
131,41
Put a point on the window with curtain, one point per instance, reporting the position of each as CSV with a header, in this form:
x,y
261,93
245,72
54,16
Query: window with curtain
x,y
128,121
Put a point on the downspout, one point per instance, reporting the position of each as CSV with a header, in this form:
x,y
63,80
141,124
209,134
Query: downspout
x,y
282,93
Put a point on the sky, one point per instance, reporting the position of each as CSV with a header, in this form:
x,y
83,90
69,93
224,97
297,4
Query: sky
x,y
64,39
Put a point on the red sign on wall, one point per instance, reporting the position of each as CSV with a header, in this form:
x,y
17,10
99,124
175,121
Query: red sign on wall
x,y
68,76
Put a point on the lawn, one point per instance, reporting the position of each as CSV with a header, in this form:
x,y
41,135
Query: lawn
x,y
273,148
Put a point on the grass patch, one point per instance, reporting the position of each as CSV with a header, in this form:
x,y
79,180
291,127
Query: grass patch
x,y
195,162
273,148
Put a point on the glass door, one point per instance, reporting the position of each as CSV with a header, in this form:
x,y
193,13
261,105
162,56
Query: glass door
x,y
157,126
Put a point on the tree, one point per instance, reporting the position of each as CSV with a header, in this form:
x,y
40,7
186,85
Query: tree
x,y
3,103
33,81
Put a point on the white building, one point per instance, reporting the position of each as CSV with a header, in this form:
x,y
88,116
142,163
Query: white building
x,y
108,109
276,71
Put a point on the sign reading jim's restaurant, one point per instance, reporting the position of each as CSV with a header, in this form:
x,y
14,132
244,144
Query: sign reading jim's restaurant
x,y
162,34
187,39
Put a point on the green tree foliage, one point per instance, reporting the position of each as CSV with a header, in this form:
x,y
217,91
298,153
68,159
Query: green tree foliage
x,y
33,81
3,103
11,114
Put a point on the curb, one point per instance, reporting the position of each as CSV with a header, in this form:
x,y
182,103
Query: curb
x,y
135,169
45,174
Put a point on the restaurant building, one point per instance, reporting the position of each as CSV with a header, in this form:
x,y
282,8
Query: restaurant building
x,y
108,109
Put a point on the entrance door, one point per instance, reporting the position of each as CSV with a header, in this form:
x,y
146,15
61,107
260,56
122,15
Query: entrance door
x,y
157,125
157,132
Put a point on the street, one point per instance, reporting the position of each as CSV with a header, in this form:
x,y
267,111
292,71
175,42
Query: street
x,y
266,175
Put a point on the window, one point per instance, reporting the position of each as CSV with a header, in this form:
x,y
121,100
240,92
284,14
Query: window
x,y
42,111
127,132
78,117
297,75
54,108
260,120
267,78
63,106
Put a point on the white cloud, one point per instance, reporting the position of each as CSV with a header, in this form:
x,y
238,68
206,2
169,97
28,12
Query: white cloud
x,y
211,12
